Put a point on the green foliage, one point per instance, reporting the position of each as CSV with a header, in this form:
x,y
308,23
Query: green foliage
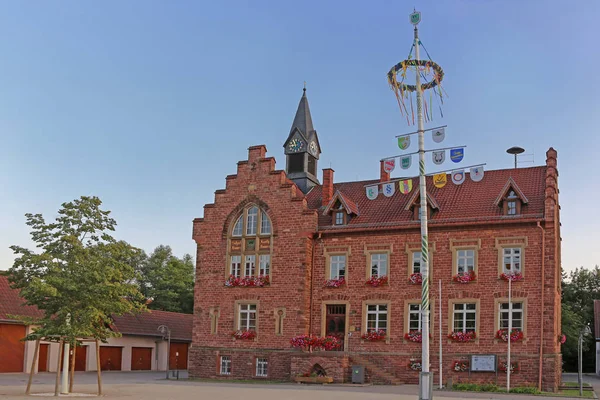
x,y
579,290
525,390
80,276
168,280
475,387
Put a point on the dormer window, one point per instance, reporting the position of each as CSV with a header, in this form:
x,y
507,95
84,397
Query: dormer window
x,y
511,199
414,205
341,209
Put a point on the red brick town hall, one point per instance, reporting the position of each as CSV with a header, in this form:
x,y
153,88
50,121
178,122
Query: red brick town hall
x,y
299,275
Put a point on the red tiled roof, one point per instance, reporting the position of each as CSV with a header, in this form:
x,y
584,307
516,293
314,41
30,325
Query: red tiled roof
x,y
349,205
11,303
147,323
471,201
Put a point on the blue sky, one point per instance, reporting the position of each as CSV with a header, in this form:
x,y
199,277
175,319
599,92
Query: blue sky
x,y
150,104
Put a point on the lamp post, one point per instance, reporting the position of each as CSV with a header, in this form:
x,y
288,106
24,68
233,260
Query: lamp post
x,y
584,331
164,329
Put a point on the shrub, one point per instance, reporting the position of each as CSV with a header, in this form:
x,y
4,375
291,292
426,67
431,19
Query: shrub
x,y
474,387
525,389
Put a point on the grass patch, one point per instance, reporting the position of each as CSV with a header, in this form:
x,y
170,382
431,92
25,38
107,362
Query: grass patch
x,y
490,387
475,387
576,384
525,390
575,393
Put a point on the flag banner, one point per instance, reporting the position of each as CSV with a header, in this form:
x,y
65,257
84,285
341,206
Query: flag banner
x,y
458,177
389,165
405,162
389,189
438,157
439,180
372,192
405,186
404,142
438,135
456,155
476,173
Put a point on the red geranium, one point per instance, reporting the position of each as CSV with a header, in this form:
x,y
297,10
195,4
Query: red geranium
x,y
515,335
512,276
335,283
464,277
244,334
416,278
414,336
375,335
462,336
376,281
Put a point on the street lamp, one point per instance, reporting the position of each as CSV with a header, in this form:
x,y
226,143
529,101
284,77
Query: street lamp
x,y
166,332
584,331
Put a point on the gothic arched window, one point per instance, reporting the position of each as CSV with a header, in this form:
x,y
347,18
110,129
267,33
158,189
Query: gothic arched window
x,y
250,243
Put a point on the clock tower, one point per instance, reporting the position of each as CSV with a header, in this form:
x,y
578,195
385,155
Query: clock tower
x,y
302,148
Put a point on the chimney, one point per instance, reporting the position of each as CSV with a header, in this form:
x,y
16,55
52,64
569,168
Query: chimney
x,y
327,191
383,176
551,193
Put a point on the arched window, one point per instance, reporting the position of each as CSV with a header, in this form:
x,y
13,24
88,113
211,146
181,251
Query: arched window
x,y
250,243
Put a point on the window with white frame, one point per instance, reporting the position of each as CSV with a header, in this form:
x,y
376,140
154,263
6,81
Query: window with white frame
x,y
225,365
249,245
251,221
415,317
265,224
337,267
264,263
416,262
379,264
250,263
511,203
237,228
261,367
247,317
517,315
465,260
339,218
464,317
377,317
236,266
511,259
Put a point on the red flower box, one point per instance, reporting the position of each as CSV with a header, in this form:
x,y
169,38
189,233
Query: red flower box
x,y
414,336
309,342
464,277
376,281
243,335
462,336
512,276
247,281
416,278
515,335
334,283
375,336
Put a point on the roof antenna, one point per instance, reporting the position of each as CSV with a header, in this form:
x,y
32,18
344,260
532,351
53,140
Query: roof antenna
x,y
304,90
515,150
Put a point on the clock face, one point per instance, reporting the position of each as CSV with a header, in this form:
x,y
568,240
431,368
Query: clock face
x,y
295,145
313,148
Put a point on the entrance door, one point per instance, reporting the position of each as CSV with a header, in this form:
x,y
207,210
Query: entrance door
x,y
141,358
43,357
335,322
178,356
12,350
110,358
81,358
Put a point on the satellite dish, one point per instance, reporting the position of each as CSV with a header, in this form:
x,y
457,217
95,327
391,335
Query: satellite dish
x,y
515,150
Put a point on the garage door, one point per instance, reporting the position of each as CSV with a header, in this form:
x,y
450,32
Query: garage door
x,y
11,347
141,358
43,357
178,356
110,358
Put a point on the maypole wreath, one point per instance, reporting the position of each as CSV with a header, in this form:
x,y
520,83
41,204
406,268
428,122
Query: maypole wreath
x,y
402,90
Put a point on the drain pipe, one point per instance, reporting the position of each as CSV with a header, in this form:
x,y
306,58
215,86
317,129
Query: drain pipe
x,y
312,278
541,362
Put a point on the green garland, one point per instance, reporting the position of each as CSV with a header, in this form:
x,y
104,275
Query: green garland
x,y
403,66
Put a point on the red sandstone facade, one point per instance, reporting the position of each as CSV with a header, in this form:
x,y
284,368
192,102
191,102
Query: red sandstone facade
x,y
301,237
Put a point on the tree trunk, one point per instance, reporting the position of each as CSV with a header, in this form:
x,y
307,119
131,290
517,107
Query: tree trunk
x,y
98,366
57,384
72,372
33,363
